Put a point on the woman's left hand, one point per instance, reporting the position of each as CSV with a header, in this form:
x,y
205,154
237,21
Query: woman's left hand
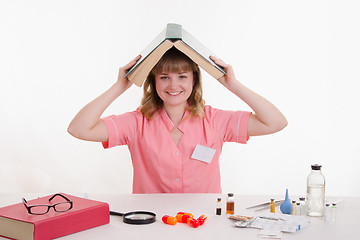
x,y
228,79
266,118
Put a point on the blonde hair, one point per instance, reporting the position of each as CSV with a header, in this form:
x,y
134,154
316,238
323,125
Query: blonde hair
x,y
172,61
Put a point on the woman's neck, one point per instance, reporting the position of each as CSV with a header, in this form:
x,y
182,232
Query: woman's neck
x,y
175,113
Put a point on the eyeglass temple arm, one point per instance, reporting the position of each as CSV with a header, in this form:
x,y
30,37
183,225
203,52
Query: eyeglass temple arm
x,y
58,194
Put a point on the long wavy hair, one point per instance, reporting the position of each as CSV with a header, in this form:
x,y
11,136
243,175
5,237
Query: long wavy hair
x,y
172,61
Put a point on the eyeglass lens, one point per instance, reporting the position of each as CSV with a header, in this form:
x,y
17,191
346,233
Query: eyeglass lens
x,y
41,209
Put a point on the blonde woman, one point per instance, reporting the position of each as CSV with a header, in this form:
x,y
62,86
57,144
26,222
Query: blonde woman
x,y
175,140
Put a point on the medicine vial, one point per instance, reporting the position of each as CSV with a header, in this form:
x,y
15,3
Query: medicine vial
x,y
315,198
293,208
327,214
272,205
302,206
218,206
230,204
333,212
298,209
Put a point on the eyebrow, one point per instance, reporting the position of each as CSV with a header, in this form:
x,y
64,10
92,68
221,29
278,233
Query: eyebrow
x,y
177,73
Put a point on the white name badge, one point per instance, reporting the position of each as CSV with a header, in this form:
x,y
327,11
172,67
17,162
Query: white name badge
x,y
203,153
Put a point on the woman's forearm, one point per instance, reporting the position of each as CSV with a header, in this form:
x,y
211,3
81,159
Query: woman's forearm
x,y
86,124
267,118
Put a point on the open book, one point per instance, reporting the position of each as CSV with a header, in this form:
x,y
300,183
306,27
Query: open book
x,y
173,36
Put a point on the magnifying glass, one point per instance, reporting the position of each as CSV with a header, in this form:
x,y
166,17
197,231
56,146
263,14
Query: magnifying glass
x,y
137,217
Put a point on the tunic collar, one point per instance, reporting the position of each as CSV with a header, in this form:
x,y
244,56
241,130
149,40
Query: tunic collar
x,y
169,124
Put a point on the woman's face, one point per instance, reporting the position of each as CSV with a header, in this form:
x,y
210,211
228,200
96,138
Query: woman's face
x,y
174,88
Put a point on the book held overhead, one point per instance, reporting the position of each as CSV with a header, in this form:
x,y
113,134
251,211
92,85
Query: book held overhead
x,y
173,36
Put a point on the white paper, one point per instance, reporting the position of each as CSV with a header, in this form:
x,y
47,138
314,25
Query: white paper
x,y
203,153
284,222
272,234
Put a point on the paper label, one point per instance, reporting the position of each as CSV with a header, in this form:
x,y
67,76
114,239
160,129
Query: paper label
x,y
203,153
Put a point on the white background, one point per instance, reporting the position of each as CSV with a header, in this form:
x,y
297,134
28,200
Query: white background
x,y
56,56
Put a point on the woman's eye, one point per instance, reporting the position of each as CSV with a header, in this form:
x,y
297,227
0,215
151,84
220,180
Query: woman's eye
x,y
183,76
164,77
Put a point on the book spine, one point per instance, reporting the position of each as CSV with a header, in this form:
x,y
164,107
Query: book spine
x,y
174,31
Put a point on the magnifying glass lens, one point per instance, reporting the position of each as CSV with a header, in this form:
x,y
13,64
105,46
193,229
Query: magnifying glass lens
x,y
139,216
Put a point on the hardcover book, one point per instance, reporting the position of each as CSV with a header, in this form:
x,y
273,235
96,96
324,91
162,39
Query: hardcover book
x,y
173,36
17,223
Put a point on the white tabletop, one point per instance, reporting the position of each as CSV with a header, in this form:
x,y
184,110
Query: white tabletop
x,y
216,227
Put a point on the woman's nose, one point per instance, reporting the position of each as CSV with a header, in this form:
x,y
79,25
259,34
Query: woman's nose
x,y
172,83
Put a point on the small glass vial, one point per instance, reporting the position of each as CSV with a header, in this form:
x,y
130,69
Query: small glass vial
x,y
272,205
302,206
293,208
230,204
327,214
298,209
218,206
333,212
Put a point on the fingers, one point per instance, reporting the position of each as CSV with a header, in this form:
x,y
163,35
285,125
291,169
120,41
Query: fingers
x,y
218,61
131,63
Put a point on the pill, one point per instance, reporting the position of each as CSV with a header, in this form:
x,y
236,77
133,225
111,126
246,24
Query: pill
x,y
169,220
183,216
202,219
193,222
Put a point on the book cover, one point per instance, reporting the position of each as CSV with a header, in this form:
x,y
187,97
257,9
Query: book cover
x,y
173,36
17,223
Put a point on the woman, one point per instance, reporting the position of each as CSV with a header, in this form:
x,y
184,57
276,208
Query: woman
x,y
175,140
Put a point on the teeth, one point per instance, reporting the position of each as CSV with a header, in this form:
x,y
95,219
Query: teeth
x,y
174,93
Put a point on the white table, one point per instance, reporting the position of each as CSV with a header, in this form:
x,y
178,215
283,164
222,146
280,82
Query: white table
x,y
216,227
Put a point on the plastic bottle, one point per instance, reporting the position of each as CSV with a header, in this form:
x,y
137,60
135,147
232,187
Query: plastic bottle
x,y
315,199
230,204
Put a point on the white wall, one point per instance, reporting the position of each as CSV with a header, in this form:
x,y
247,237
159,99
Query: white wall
x,y
56,56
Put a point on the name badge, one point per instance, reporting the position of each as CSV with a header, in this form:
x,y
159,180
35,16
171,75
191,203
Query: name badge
x,y
203,153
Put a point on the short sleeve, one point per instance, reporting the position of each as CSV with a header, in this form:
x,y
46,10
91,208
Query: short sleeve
x,y
121,128
232,126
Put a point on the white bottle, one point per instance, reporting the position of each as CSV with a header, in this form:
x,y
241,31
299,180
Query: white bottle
x,y
315,199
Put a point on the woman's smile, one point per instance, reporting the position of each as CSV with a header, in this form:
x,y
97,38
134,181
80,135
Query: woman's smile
x,y
174,88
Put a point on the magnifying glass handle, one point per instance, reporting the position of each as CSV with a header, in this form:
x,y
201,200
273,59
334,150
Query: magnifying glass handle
x,y
116,213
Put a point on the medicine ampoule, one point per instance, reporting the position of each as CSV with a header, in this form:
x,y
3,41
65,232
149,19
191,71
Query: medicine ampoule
x,y
298,209
272,205
327,214
293,208
230,204
218,206
302,206
333,212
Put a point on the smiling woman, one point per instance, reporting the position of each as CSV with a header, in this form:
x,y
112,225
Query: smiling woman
x,y
175,140
182,68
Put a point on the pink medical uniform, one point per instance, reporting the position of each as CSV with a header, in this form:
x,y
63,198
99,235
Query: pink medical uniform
x,y
161,166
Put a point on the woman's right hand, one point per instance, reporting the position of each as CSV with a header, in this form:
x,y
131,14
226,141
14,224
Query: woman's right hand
x,y
123,82
87,124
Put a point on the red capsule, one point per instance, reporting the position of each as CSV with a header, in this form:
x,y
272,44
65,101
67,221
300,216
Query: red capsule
x,y
202,219
183,216
169,220
193,222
